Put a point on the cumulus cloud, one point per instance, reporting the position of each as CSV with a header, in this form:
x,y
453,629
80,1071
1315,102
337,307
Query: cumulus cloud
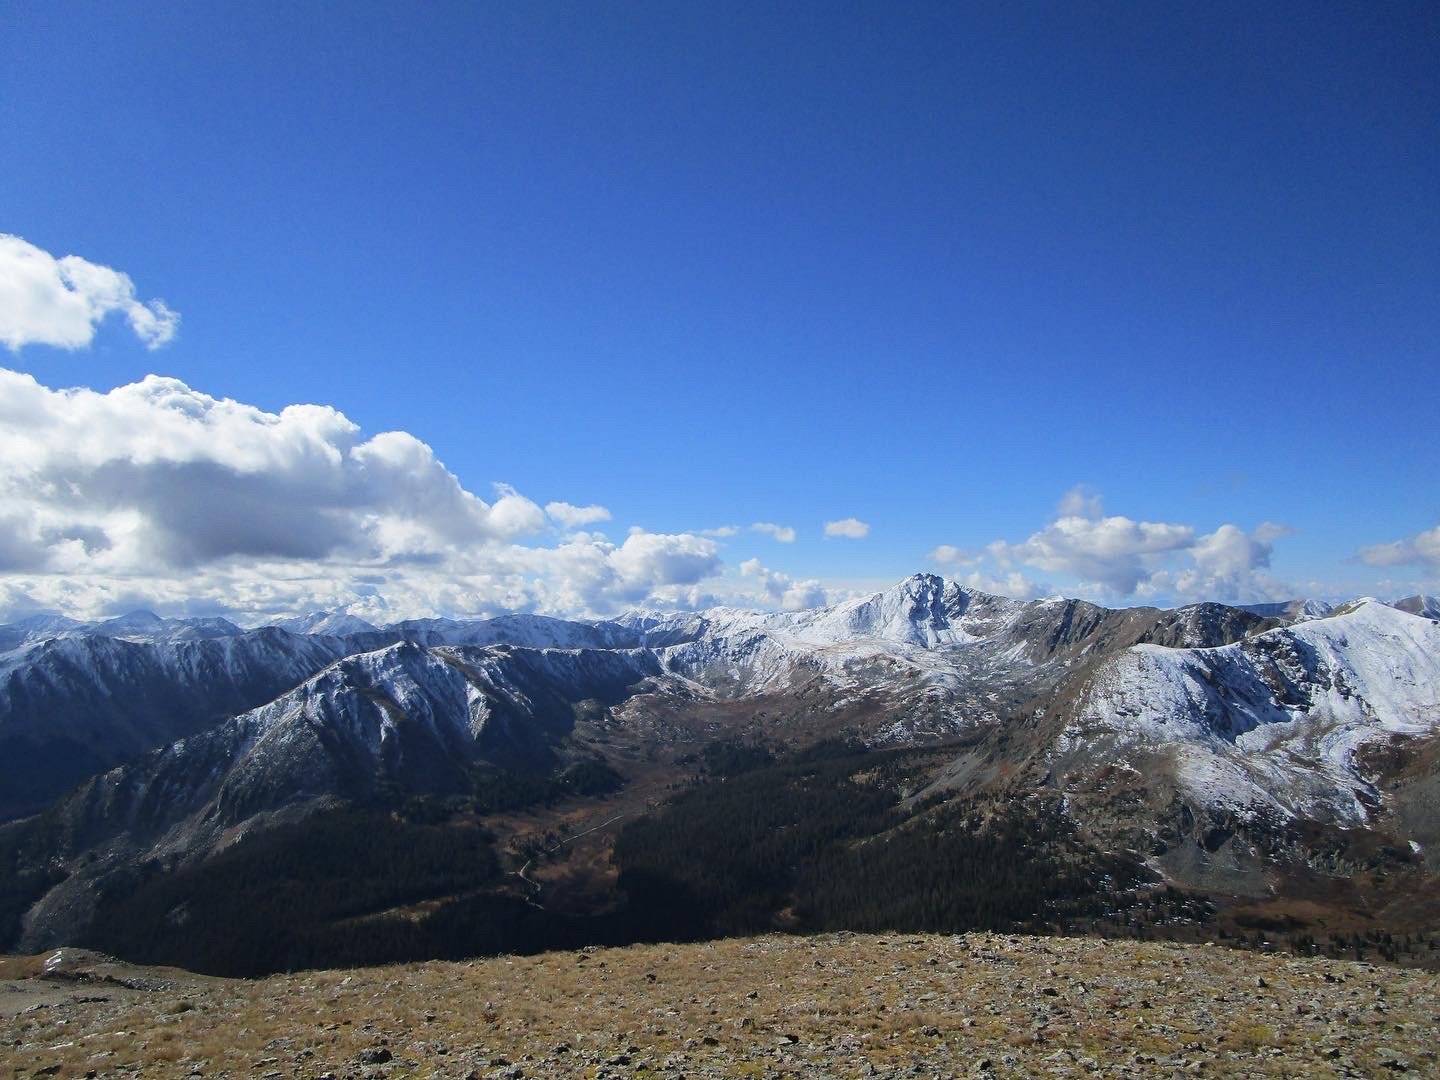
x,y
1422,549
850,528
648,560
1014,585
1123,558
783,533
1115,551
950,555
1229,566
156,494
572,517
781,590
50,301
156,471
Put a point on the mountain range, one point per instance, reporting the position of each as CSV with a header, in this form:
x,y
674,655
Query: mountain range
x,y
1240,754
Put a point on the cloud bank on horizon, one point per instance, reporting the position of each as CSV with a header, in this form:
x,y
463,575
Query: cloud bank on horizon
x,y
156,494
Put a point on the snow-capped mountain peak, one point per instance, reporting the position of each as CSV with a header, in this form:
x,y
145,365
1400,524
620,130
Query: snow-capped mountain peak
x,y
921,610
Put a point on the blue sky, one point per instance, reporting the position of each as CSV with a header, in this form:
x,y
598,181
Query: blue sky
x,y
714,265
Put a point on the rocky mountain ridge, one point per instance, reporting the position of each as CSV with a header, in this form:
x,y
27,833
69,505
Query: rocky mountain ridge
x,y
1210,742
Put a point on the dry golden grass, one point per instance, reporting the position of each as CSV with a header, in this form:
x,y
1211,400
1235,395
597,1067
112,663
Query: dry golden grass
x,y
832,1006
20,967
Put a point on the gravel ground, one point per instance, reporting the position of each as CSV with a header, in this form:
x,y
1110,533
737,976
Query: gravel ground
x,y
839,1005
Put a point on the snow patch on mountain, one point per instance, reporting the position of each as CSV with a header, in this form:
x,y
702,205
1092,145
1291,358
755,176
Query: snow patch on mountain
x,y
1272,722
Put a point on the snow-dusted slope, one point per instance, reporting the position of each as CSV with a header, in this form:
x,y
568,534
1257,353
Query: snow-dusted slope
x,y
751,652
78,698
136,626
147,626
404,718
1270,724
403,714
34,628
78,703
923,610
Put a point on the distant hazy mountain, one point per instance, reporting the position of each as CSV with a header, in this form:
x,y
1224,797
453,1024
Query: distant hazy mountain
x,y
1426,606
326,622
1290,610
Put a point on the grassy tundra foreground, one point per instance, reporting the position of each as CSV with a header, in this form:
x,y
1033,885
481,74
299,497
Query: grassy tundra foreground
x,y
839,1005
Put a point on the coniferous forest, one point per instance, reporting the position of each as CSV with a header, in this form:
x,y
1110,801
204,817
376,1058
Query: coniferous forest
x,y
816,840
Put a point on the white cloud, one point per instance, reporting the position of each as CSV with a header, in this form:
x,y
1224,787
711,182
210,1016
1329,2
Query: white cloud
x,y
1081,501
781,590
950,555
783,533
1014,585
1121,558
572,517
1422,549
1229,566
1115,551
155,494
649,560
850,528
158,471
722,532
50,301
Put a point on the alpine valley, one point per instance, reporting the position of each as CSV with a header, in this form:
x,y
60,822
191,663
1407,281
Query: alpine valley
x,y
324,791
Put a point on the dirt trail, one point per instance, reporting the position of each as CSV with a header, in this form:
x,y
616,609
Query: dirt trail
x,y
523,872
